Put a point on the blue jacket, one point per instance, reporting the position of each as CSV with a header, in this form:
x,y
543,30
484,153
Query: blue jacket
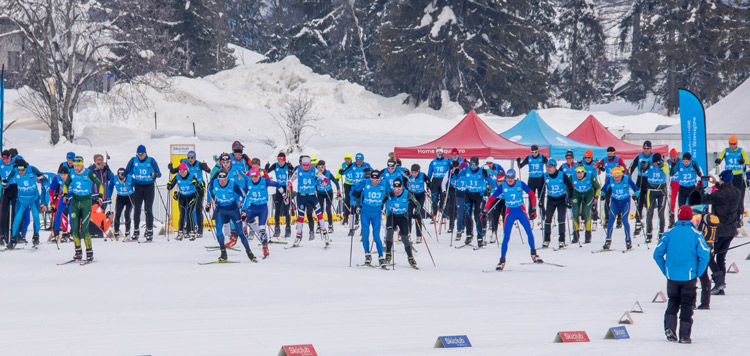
x,y
685,250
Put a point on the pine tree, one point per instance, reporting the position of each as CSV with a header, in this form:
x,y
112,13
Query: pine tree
x,y
581,52
488,55
201,37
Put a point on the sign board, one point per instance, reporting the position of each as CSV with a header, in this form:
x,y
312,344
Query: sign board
x,y
659,298
452,341
636,308
571,336
176,154
626,319
617,333
297,350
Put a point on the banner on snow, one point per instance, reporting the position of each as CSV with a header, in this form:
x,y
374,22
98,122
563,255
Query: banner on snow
x,y
693,128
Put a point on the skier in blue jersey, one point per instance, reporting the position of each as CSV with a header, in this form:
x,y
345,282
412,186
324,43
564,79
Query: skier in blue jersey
x,y
144,170
558,188
353,174
618,188
189,188
397,210
282,172
641,164
478,182
256,203
536,163
324,189
512,191
656,177
57,204
123,187
307,178
197,168
418,187
436,171
369,198
229,198
736,160
29,197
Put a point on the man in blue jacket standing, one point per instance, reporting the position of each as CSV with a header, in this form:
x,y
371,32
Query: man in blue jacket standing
x,y
682,256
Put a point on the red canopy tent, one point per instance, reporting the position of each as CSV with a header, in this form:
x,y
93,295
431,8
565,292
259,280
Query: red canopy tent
x,y
472,137
592,132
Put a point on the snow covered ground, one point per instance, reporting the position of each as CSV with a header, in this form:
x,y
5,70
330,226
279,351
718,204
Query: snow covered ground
x,y
154,299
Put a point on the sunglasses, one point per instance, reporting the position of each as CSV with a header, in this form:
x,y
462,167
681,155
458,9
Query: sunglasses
x,y
237,151
533,152
142,154
390,165
191,157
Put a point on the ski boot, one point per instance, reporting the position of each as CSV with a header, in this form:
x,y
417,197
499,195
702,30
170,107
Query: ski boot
x,y
381,261
574,240
419,239
277,230
326,238
388,257
607,244
368,260
685,340
251,256
413,263
199,235
330,228
638,228
587,237
250,234
671,220
501,265
65,237
703,307
670,335
469,239
78,253
480,243
21,240
35,240
648,238
312,235
628,245
297,240
545,244
180,235
450,230
118,235
317,229
719,284
561,245
192,236
149,235
535,258
619,223
458,235
351,233
223,257
493,238
232,241
288,232
265,250
127,234
90,255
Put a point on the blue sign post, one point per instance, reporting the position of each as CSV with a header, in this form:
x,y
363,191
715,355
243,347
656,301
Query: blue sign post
x,y
452,341
617,333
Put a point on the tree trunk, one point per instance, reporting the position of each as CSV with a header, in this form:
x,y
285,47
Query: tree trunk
x,y
672,102
54,128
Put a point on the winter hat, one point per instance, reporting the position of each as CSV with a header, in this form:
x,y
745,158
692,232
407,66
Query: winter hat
x,y
21,164
6,154
359,157
687,156
346,155
610,149
569,154
673,152
13,152
375,175
511,173
282,154
78,160
657,157
685,213
191,154
97,156
397,183
534,147
455,164
617,171
255,172
236,145
474,160
69,155
183,166
120,172
415,167
580,169
140,149
321,163
454,151
391,163
439,150
490,160
225,157
647,144
733,139
588,153
304,159
223,174
314,160
695,198
552,162
726,176
64,170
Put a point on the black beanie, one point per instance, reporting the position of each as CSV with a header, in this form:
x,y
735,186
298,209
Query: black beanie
x,y
687,156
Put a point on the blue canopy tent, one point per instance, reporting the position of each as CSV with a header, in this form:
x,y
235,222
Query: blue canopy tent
x,y
532,130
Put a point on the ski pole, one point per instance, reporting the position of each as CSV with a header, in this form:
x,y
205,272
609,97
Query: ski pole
x,y
430,252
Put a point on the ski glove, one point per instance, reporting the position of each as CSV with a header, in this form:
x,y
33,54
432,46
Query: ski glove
x,y
170,166
483,215
5,182
532,213
153,175
176,195
569,204
243,217
286,199
338,195
169,186
635,197
603,198
208,207
741,161
518,160
341,171
65,200
203,166
718,161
